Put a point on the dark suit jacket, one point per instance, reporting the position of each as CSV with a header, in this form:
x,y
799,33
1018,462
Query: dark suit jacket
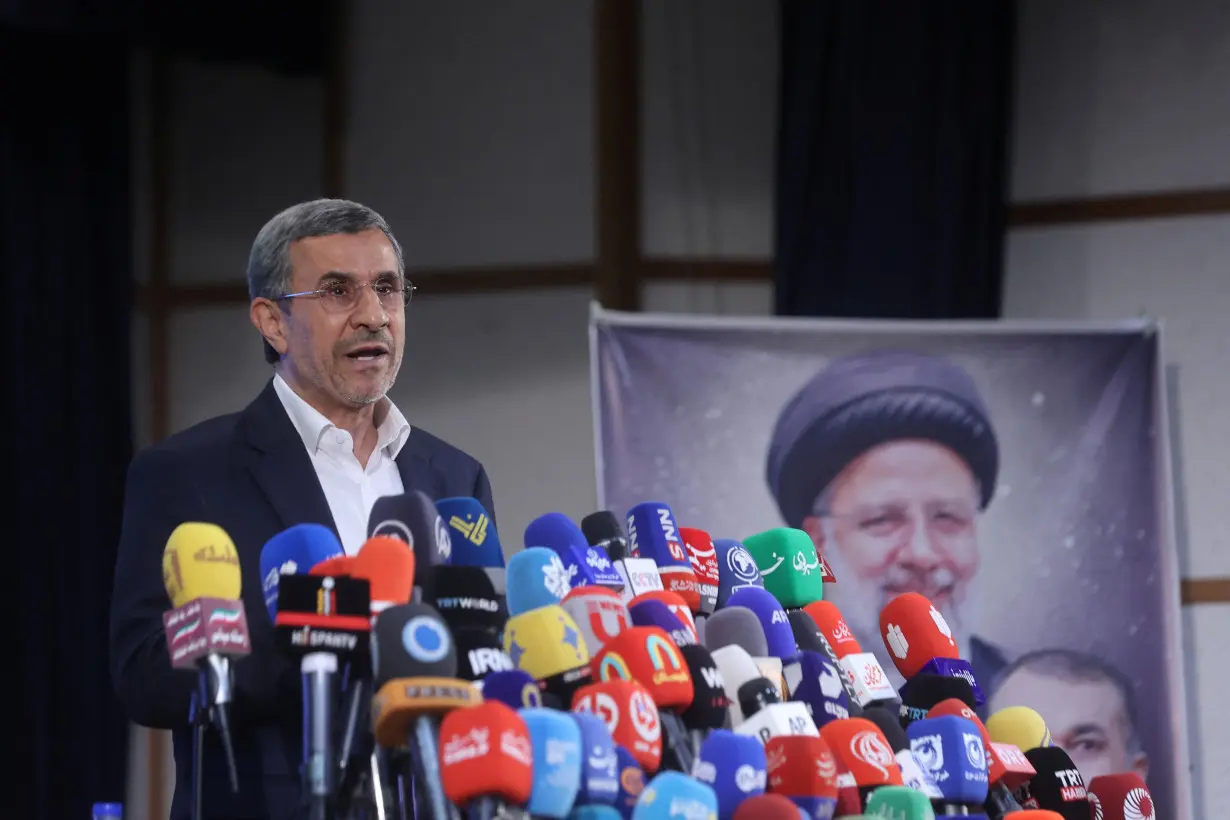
x,y
250,474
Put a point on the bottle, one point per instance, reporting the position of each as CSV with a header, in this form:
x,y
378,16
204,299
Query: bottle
x,y
108,811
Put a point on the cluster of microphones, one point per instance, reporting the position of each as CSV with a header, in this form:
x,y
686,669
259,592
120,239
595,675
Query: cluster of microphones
x,y
632,669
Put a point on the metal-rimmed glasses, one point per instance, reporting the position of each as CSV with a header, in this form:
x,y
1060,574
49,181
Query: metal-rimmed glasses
x,y
341,295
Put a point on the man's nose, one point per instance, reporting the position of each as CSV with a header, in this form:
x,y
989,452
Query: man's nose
x,y
368,312
919,548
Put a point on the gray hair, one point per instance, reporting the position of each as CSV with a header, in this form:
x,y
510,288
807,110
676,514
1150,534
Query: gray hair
x,y
269,266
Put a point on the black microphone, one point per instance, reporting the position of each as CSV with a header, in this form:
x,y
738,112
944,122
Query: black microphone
x,y
710,703
413,518
757,694
810,638
467,599
602,529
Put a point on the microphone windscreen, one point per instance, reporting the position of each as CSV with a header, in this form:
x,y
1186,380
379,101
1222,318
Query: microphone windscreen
x,y
806,633
412,517
734,766
703,557
536,578
485,751
899,801
736,626
674,603
915,632
671,795
736,667
647,654
558,533
802,766
653,534
387,564
200,561
603,530
465,598
292,551
779,638
599,763
788,564
556,742
472,534
710,702
756,695
545,642
820,688
769,807
889,725
950,749
736,569
863,750
920,695
628,710
411,641
599,613
479,653
1058,784
1122,796
631,782
656,613
337,566
1020,726
515,689
955,707
829,620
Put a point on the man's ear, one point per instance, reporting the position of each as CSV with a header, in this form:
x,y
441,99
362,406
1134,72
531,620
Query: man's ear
x,y
813,526
268,320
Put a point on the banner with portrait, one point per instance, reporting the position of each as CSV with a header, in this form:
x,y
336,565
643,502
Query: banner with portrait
x,y
1017,474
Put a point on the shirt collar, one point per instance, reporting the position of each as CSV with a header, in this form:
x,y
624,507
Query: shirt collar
x,y
311,424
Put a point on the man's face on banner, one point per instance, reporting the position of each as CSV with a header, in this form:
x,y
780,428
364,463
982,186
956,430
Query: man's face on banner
x,y
901,517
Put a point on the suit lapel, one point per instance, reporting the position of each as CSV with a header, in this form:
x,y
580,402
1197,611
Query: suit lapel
x,y
416,470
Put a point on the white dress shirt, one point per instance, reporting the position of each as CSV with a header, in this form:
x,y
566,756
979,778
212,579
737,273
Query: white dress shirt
x,y
350,489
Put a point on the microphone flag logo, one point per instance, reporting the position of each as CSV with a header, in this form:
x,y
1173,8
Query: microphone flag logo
x,y
1095,806
1138,805
929,750
444,542
941,625
870,748
556,578
830,683
895,638
425,639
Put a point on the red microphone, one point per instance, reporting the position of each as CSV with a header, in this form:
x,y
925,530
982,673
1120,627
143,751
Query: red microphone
x,y
866,680
921,642
766,807
1122,796
802,768
486,760
1002,780
864,750
703,557
387,564
337,566
630,715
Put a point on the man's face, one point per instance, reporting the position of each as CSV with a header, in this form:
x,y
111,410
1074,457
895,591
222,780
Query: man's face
x,y
321,342
1087,719
902,518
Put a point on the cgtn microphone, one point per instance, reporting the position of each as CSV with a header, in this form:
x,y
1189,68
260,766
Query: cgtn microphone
x,y
486,761
863,672
803,769
1122,797
653,534
586,565
413,518
920,641
207,626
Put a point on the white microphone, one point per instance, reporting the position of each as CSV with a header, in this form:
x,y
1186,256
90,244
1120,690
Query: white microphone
x,y
867,678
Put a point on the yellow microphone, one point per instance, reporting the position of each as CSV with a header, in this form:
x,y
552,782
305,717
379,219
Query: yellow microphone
x,y
547,644
1019,726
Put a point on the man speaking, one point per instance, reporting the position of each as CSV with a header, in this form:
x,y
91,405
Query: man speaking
x,y
319,444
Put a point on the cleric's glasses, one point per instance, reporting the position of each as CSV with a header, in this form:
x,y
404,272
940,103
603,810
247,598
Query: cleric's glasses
x,y
341,295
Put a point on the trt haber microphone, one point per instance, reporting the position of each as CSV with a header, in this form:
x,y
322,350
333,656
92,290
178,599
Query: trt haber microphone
x,y
736,569
734,766
950,749
919,640
1020,726
599,762
472,534
779,637
466,598
556,741
1003,779
912,773
513,688
703,557
585,564
414,672
207,626
1058,785
810,639
819,689
866,678
630,715
653,534
899,802
294,551
412,517
656,613
920,695
1122,796
788,564
673,795
864,752
631,782
675,604
710,704
603,530
772,807
599,613
486,759
479,653
803,769
536,578
387,564
547,643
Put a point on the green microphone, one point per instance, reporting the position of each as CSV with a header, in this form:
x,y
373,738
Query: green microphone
x,y
789,565
900,801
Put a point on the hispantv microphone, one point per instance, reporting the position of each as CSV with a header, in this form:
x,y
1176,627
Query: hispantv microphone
x,y
586,565
802,768
920,641
672,795
653,534
603,530
556,742
736,569
207,626
703,556
867,678
951,749
1058,785
1122,797
734,766
294,551
536,578
413,518
789,565
630,715
486,760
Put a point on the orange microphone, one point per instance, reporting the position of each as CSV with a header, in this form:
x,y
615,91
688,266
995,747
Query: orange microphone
x,y
486,760
866,754
865,680
338,566
388,565
921,642
1002,780
802,768
628,711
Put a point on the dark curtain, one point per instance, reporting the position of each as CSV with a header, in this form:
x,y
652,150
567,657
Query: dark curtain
x,y
891,157
64,250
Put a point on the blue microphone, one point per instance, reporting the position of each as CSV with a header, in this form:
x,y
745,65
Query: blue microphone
x,y
558,533
472,534
653,534
650,612
734,766
599,763
777,632
556,742
631,782
950,749
736,569
294,551
674,795
536,578
514,688
820,689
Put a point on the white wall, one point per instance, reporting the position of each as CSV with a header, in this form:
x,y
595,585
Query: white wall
x,y
471,130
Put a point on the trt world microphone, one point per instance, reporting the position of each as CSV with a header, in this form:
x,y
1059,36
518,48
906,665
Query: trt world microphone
x,y
653,534
912,773
603,530
736,569
414,669
1122,797
864,752
951,749
1020,726
1058,785
513,688
466,599
599,613
710,703
536,578
293,551
630,715
207,626
921,694
788,564
486,760
703,557
412,517
919,640
472,534
671,795
771,807
810,639
631,782
586,565
899,802
819,689
803,769
556,741
656,613
863,672
734,766
599,762
547,643
675,604
1003,780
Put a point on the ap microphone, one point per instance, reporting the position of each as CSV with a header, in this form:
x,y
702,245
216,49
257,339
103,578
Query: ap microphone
x,y
599,613
207,626
586,565
920,641
294,551
1122,796
950,749
672,795
412,517
653,534
556,742
736,569
703,557
536,578
789,565
628,710
546,643
486,759
1057,786
603,530
803,769
863,672
472,533
734,766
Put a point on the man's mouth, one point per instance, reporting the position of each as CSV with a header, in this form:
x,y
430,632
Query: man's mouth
x,y
368,353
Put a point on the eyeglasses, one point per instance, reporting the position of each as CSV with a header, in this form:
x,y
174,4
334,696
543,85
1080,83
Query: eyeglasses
x,y
341,295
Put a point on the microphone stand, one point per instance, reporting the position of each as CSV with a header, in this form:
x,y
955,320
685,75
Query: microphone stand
x,y
199,719
318,669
